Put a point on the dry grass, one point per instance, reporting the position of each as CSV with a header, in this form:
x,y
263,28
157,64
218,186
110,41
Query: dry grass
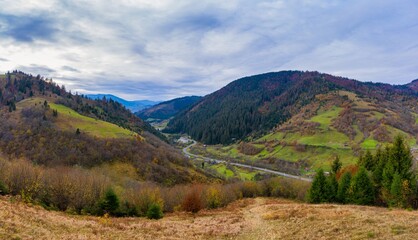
x,y
258,218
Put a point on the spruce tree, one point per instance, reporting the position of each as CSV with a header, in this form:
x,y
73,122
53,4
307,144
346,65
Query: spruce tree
x,y
318,192
380,160
387,176
361,190
402,158
331,188
109,203
396,191
343,188
368,161
154,211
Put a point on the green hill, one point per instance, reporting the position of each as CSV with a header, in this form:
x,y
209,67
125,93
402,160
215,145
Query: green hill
x,y
299,119
49,126
70,120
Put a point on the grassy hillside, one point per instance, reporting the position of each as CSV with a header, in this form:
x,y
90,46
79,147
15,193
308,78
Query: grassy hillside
x,y
339,123
252,106
39,122
70,120
243,219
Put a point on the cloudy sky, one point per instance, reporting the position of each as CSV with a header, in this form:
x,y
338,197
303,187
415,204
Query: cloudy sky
x,y
161,49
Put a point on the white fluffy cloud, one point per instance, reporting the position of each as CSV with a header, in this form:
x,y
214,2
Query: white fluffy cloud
x,y
162,49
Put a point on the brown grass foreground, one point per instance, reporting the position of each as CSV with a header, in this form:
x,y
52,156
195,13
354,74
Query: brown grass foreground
x,y
259,218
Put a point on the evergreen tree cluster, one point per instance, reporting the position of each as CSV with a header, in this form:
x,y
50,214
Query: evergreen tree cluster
x,y
386,178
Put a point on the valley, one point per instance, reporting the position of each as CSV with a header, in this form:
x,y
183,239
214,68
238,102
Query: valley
x,y
96,161
332,117
240,165
214,119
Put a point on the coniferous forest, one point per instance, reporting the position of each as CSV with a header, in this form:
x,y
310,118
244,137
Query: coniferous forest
x,y
386,178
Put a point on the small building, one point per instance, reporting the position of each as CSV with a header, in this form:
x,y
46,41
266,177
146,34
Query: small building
x,y
183,140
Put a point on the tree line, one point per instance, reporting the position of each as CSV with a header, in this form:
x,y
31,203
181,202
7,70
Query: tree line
x,y
87,192
386,178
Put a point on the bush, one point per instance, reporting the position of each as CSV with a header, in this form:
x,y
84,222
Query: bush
x,y
3,189
173,197
288,188
193,201
213,198
144,196
154,212
127,209
250,189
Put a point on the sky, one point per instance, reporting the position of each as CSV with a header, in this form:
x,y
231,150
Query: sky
x,y
162,49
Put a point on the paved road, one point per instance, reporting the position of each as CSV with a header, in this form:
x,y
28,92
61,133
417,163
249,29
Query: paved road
x,y
206,159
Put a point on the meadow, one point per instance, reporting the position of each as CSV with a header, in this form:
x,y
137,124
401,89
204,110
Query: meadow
x,y
70,120
242,219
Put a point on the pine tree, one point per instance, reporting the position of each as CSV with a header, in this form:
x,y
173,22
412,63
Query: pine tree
x,y
318,192
343,188
361,189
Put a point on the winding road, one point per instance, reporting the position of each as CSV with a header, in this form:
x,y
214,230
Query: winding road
x,y
207,159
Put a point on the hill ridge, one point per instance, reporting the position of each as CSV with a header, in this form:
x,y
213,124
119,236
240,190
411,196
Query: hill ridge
x,y
167,109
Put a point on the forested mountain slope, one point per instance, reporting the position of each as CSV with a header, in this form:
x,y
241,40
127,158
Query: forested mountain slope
x,y
44,123
257,104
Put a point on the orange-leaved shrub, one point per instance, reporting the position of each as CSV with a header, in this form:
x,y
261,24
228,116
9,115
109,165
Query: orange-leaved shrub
x,y
192,201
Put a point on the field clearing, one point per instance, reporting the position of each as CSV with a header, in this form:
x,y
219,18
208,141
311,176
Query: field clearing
x,y
223,170
369,143
243,219
234,172
325,118
330,138
70,120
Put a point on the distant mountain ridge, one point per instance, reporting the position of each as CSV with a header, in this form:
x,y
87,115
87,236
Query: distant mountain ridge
x,y
134,106
413,85
168,109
